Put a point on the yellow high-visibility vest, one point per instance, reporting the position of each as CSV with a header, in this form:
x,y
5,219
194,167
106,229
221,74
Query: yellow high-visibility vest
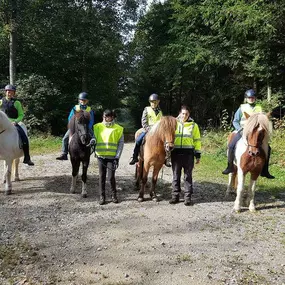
x,y
152,118
107,139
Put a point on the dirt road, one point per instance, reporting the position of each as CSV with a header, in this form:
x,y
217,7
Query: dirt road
x,y
54,237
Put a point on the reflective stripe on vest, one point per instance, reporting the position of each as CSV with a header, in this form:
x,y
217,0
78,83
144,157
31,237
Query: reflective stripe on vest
x,y
77,108
152,118
250,110
107,139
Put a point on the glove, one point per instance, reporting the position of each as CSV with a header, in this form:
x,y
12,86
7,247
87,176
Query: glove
x,y
116,163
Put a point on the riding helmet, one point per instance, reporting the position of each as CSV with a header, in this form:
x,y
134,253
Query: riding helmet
x,y
153,97
249,93
83,96
10,87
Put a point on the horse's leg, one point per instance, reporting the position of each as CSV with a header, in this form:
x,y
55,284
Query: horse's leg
x,y
7,171
85,165
231,184
238,201
251,194
75,169
15,168
153,184
143,182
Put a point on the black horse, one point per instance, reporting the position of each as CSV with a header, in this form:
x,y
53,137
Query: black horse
x,y
79,148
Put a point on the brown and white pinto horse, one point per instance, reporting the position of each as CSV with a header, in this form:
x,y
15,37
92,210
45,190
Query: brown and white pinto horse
x,y
250,155
158,141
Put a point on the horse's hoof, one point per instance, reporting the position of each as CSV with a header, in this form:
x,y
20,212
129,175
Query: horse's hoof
x,y
140,199
237,211
17,179
72,191
84,195
8,192
155,199
252,210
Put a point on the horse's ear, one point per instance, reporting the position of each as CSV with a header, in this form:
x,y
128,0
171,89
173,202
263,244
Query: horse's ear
x,y
246,115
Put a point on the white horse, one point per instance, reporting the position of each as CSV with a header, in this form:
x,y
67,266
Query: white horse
x,y
10,150
250,155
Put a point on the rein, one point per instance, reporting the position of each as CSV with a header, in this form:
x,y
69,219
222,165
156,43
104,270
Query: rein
x,y
2,132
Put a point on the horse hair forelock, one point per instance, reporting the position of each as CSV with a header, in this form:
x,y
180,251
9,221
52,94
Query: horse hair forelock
x,y
82,117
255,120
167,124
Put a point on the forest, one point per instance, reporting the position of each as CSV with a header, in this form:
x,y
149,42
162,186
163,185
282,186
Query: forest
x,y
201,53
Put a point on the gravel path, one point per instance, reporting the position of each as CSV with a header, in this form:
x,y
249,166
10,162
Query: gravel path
x,y
61,238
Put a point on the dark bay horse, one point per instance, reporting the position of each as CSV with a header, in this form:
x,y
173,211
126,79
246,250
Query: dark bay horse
x,y
79,148
157,141
250,153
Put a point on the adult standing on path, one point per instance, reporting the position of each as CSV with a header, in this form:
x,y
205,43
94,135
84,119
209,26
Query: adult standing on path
x,y
14,110
109,146
82,105
250,107
187,145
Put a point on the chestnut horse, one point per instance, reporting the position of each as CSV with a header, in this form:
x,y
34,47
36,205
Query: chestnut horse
x,y
158,141
79,148
250,155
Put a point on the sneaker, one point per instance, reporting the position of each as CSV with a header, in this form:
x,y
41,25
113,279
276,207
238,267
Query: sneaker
x,y
174,200
134,161
29,162
63,156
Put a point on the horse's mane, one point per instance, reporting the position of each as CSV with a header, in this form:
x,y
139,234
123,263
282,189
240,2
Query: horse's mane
x,y
166,124
255,120
4,121
81,117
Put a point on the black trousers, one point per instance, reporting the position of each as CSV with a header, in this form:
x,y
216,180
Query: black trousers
x,y
185,162
106,165
25,142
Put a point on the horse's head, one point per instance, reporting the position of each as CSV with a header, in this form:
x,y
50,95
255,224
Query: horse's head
x,y
256,130
81,126
168,127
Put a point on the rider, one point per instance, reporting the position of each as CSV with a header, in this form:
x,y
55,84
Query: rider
x,y
83,105
187,145
150,116
110,142
250,107
13,109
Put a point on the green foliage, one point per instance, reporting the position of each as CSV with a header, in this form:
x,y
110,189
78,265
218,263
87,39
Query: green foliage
x,y
41,101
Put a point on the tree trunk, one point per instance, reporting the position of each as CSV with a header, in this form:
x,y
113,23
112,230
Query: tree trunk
x,y
269,92
13,42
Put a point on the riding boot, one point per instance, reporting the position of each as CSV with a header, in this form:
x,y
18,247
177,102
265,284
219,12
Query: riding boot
x,y
187,201
135,154
27,158
230,167
265,170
